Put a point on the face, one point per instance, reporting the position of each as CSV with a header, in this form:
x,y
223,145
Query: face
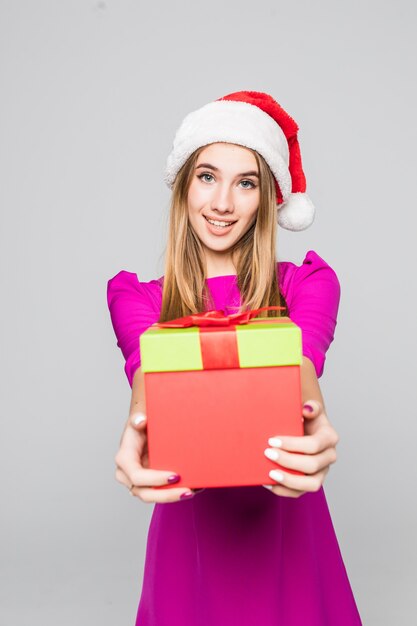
x,y
223,197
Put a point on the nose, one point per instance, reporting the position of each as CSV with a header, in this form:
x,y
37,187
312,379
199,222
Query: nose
x,y
223,200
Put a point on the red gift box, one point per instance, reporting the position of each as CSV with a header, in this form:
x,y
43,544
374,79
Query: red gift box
x,y
228,383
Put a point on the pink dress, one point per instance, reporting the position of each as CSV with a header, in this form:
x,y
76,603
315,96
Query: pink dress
x,y
242,555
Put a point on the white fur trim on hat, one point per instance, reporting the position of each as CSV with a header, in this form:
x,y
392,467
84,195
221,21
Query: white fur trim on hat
x,y
297,213
232,122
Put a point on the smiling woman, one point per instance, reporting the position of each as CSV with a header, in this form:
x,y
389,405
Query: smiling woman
x,y
237,555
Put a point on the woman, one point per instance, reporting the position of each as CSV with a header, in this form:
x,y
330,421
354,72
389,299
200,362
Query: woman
x,y
242,555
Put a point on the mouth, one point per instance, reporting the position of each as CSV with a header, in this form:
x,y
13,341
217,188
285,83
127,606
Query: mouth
x,y
219,225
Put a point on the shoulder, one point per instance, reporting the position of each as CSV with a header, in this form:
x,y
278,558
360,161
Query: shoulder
x,y
126,286
313,275
312,293
134,305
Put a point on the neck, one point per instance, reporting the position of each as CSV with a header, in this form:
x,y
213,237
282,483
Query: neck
x,y
219,264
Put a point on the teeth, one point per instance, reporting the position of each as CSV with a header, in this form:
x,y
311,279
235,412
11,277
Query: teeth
x,y
216,223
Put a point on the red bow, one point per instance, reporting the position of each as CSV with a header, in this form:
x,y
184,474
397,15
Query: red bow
x,y
215,318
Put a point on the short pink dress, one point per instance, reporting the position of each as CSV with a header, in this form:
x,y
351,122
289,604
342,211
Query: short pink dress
x,y
242,555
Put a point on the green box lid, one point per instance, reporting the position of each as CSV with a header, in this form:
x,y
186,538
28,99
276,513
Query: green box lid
x,y
260,344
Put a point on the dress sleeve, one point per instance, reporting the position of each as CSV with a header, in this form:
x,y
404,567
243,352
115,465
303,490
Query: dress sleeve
x,y
313,296
133,308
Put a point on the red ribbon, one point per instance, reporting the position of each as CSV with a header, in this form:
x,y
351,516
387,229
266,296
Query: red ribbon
x,y
217,333
215,318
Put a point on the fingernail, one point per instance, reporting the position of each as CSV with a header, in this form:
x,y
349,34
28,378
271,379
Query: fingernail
x,y
308,407
139,418
174,478
276,475
275,442
267,486
186,495
271,454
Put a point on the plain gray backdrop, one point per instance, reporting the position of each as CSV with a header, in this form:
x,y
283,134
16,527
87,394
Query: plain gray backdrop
x,y
91,96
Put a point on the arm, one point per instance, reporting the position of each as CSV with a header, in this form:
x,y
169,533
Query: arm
x,y
137,401
313,294
137,409
132,311
310,388
132,466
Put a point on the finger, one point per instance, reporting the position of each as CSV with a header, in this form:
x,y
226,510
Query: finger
x,y
132,429
148,494
312,408
122,478
280,490
161,495
306,463
299,483
311,444
141,477
133,437
138,420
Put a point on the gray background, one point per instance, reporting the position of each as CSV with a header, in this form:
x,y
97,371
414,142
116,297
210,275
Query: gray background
x,y
91,95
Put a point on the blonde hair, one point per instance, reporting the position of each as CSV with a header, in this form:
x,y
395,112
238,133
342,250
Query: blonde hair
x,y
185,290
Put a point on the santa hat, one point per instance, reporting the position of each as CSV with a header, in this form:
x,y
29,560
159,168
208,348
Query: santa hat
x,y
255,120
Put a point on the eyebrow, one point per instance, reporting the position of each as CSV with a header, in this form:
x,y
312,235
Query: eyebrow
x,y
216,169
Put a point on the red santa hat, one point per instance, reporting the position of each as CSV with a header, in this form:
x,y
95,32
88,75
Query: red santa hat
x,y
255,120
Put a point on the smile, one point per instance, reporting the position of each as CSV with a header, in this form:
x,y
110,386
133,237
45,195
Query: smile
x,y
218,223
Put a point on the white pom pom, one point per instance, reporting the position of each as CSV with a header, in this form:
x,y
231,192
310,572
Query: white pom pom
x,y
297,213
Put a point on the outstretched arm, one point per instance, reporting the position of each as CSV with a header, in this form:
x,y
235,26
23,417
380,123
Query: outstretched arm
x,y
132,467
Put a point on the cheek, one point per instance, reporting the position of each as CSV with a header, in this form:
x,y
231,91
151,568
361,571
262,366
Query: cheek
x,y
199,194
191,190
252,208
194,199
194,203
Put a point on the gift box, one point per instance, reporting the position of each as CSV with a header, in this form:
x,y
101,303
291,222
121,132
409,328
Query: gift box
x,y
217,387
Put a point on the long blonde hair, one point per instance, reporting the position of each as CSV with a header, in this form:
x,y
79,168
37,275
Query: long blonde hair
x,y
185,290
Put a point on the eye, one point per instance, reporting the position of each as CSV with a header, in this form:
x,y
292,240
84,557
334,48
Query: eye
x,y
201,176
252,185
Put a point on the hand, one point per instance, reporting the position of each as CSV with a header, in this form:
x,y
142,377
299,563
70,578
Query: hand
x,y
319,451
132,466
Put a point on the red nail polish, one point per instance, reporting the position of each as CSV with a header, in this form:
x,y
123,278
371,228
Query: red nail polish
x,y
174,478
308,407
